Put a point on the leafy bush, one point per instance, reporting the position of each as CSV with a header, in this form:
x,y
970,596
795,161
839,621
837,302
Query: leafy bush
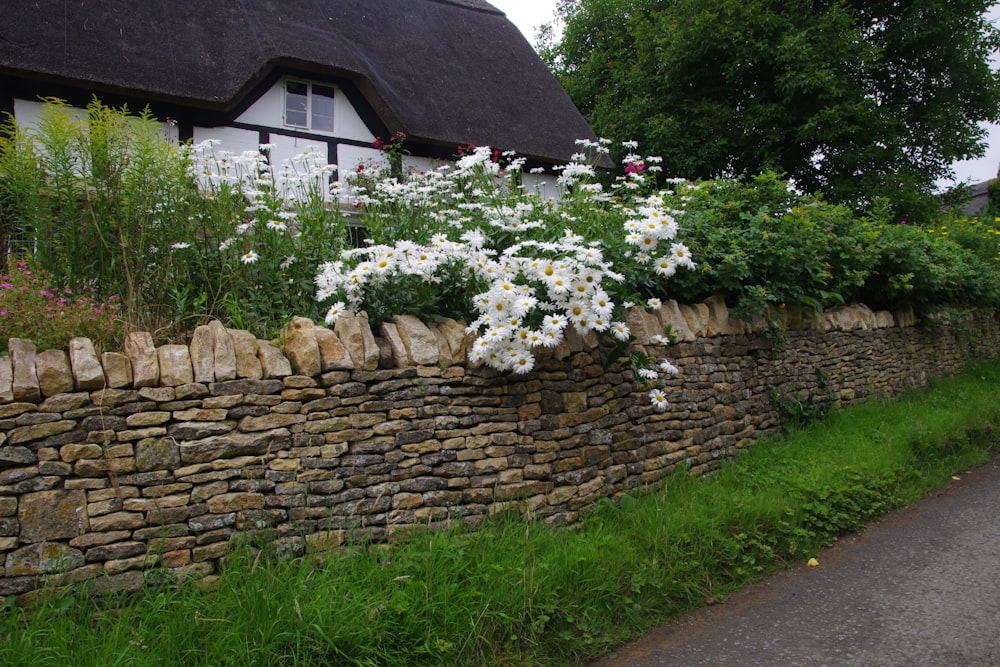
x,y
103,199
925,268
758,242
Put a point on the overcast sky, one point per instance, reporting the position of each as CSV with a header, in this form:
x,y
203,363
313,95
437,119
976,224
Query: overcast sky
x,y
527,15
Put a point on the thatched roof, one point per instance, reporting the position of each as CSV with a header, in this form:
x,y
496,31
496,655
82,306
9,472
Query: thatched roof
x,y
445,72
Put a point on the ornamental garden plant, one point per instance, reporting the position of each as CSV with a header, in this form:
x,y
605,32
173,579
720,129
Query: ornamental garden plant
x,y
173,235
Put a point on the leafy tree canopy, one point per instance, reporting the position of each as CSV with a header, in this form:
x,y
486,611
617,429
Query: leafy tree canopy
x,y
857,100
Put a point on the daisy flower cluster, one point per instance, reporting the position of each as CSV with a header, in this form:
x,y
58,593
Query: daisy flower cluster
x,y
528,282
273,196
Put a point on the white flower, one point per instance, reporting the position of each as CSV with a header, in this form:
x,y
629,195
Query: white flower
x,y
180,245
276,225
250,257
620,331
653,303
658,398
647,374
336,310
668,368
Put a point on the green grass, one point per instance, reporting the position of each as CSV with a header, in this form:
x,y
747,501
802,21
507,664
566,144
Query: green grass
x,y
523,593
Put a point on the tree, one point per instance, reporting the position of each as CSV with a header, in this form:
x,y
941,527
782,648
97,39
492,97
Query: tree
x,y
857,100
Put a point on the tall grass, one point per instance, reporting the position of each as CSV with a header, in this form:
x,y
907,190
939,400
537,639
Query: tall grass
x,y
520,592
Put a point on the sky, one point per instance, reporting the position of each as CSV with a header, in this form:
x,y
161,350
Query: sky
x,y
527,15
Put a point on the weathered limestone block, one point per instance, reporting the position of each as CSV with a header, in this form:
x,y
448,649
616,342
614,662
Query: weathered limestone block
x,y
24,383
245,350
390,334
674,321
117,370
202,351
87,370
356,335
38,431
905,317
273,363
696,316
141,352
298,342
157,454
235,444
6,380
269,422
865,316
175,365
52,515
643,325
13,455
456,341
884,320
53,372
333,355
421,346
224,353
43,558
385,358
235,502
719,322
64,402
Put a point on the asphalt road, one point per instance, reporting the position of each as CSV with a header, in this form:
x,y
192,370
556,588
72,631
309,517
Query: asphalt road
x,y
920,588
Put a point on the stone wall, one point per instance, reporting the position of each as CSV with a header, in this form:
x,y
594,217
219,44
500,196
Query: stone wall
x,y
119,467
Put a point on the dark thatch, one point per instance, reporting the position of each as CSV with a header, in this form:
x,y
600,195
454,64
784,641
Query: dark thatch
x,y
445,72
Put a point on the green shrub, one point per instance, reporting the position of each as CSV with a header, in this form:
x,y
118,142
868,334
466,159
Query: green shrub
x,y
758,242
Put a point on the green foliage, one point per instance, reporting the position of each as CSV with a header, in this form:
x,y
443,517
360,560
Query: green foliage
x,y
857,100
521,592
101,195
927,266
759,243
179,233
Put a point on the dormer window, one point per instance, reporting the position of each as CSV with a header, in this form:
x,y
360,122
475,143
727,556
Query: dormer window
x,y
309,106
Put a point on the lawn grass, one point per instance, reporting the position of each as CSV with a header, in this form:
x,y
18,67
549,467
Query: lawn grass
x,y
523,593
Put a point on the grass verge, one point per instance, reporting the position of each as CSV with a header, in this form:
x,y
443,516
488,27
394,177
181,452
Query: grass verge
x,y
522,593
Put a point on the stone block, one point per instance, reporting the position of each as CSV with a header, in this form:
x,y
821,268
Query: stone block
x,y
299,344
245,351
356,335
53,372
6,380
24,380
141,352
117,370
333,354
273,363
235,444
175,365
202,351
52,515
157,454
421,345
88,374
42,558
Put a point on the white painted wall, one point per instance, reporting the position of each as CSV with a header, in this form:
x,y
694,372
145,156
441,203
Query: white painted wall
x,y
268,111
27,113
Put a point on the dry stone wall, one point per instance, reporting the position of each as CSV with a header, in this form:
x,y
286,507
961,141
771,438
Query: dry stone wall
x,y
119,467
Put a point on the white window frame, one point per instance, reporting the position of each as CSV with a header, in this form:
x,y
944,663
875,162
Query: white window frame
x,y
310,110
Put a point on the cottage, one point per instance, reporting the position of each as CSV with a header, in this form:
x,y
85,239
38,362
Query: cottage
x,y
335,74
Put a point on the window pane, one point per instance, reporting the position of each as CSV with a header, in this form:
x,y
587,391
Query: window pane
x,y
322,108
296,103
